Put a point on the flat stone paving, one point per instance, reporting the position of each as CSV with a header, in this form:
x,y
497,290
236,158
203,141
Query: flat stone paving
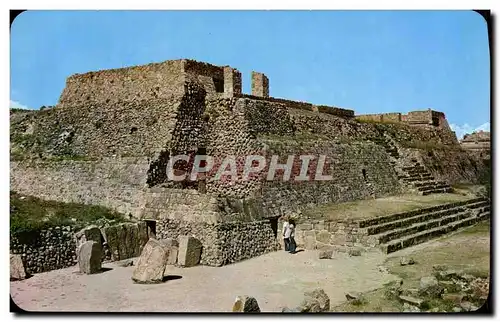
x,y
276,280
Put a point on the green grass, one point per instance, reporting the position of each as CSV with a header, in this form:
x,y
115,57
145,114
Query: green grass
x,y
30,214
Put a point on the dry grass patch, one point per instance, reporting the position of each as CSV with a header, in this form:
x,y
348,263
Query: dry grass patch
x,y
361,209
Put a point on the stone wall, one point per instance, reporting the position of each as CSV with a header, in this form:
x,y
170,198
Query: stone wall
x,y
382,117
157,80
135,128
229,133
341,112
358,171
118,183
124,240
323,234
53,248
223,243
260,84
451,165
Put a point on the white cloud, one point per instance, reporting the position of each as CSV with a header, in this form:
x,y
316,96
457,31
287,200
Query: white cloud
x,y
461,130
14,104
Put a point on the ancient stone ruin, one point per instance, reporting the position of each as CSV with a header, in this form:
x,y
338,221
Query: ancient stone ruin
x,y
110,137
478,143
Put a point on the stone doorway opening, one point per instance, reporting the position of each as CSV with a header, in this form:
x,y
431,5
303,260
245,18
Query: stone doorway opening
x,y
151,228
274,225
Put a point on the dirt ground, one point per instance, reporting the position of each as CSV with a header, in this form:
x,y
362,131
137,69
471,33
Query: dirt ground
x,y
276,280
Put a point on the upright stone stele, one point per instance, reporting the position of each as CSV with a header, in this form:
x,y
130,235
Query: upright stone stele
x,y
189,251
89,257
17,270
151,265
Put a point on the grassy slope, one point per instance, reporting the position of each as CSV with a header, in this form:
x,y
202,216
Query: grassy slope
x,y
29,213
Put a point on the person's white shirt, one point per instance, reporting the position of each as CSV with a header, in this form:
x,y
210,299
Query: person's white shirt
x,y
285,227
289,231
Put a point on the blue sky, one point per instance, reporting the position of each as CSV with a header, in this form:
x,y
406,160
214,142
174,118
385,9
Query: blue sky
x,y
369,61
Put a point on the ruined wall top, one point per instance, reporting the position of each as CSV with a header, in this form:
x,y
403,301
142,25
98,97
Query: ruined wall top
x,y
425,117
168,79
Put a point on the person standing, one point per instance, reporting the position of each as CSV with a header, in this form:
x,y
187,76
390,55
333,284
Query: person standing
x,y
292,246
286,234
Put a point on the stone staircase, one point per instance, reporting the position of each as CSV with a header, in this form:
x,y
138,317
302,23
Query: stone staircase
x,y
420,180
397,231
414,176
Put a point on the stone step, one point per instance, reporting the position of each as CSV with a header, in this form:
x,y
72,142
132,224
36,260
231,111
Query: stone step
x,y
419,227
406,222
415,167
418,173
413,179
407,214
425,183
426,235
442,190
432,187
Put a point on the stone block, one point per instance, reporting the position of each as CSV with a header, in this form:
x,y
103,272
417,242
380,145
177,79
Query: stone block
x,y
315,301
17,270
89,257
150,267
172,255
246,304
309,242
323,237
189,251
90,233
326,254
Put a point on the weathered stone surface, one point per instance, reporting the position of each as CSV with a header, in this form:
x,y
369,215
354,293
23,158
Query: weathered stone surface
x,y
393,289
172,255
479,289
406,261
309,242
53,248
150,267
189,251
289,310
17,271
125,240
429,286
89,257
453,297
412,300
354,252
355,298
468,306
410,308
326,254
315,301
90,233
169,242
413,292
323,237
246,304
